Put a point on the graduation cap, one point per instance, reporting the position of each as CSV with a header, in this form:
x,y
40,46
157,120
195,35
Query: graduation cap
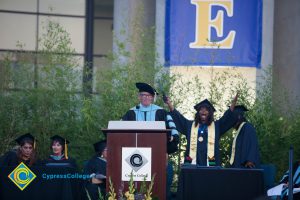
x,y
26,136
62,141
204,103
144,87
100,146
240,109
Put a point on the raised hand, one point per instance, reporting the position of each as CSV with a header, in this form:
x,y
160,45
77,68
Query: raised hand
x,y
168,101
233,103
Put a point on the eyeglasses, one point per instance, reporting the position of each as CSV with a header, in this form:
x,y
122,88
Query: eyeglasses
x,y
145,95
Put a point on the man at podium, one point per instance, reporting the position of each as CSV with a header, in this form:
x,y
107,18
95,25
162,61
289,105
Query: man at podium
x,y
147,111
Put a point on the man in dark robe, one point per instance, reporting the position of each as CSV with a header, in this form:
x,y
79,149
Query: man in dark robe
x,y
147,111
203,133
245,152
96,168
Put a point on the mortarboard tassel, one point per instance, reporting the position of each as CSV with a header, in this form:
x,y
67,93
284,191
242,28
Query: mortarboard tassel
x,y
155,97
66,149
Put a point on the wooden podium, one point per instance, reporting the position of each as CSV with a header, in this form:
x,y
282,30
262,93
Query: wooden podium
x,y
124,134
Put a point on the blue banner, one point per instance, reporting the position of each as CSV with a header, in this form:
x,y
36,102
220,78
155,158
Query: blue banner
x,y
213,32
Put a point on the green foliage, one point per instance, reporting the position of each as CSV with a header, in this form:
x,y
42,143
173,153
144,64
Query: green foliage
x,y
42,93
220,90
277,125
116,84
112,194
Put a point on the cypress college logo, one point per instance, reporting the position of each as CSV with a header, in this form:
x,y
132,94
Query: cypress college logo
x,y
22,176
136,163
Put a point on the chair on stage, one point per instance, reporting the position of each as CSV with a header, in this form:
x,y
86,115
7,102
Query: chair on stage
x,y
269,175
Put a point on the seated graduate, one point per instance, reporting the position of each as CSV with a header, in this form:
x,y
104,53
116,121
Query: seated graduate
x,y
203,133
96,167
24,153
59,156
245,152
296,180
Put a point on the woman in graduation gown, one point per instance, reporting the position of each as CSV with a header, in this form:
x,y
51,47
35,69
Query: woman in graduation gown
x,y
59,156
96,168
203,133
24,153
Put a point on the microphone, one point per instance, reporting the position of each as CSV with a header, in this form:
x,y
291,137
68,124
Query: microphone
x,y
165,99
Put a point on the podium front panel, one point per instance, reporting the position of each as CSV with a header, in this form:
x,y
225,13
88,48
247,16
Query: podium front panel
x,y
154,140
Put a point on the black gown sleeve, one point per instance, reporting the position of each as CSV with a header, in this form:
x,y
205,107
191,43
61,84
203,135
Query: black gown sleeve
x,y
161,115
90,167
129,116
182,124
9,159
227,121
72,163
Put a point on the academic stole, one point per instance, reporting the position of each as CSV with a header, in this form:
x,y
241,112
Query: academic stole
x,y
211,134
234,143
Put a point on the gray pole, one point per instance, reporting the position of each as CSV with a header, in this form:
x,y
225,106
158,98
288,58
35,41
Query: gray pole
x,y
291,184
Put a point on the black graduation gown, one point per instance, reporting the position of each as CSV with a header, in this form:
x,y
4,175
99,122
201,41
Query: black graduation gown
x,y
97,166
160,115
11,159
222,125
70,162
246,148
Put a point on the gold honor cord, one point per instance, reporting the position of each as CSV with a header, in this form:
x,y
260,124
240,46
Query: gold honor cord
x,y
210,142
193,143
66,149
234,143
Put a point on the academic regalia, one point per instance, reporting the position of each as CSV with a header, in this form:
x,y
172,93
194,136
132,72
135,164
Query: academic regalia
x,y
52,161
246,148
245,145
154,113
145,87
95,166
222,125
296,180
11,158
63,160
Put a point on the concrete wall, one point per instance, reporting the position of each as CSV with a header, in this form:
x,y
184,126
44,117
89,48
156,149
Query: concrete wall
x,y
287,50
129,16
